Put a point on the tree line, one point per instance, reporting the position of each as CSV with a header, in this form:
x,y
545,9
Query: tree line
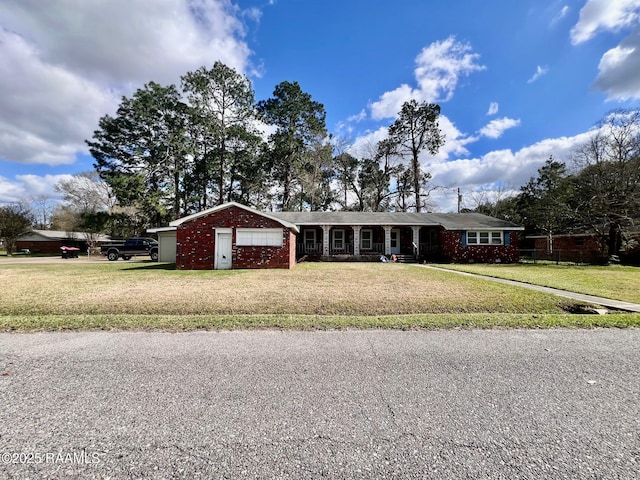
x,y
597,193
169,152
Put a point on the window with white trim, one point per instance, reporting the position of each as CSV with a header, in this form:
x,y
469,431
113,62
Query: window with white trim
x,y
338,239
310,237
366,239
485,238
259,237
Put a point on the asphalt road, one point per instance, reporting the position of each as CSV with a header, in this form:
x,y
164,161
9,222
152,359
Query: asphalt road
x,y
268,404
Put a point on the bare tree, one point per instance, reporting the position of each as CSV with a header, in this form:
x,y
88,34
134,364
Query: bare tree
x,y
42,209
86,192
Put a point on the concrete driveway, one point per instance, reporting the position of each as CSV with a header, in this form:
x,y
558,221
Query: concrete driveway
x,y
354,404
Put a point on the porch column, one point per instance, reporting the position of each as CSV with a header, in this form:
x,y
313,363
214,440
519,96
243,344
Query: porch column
x,y
416,238
325,239
387,239
356,239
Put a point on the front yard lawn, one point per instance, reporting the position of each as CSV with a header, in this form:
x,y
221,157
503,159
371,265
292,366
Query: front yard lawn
x,y
615,281
312,295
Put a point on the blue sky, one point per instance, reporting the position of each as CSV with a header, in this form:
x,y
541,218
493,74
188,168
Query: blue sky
x,y
517,81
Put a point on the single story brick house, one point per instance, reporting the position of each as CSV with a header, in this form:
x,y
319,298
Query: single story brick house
x,y
584,247
50,241
236,236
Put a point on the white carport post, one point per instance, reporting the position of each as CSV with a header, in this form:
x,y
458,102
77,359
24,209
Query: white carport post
x,y
325,239
387,240
416,238
356,239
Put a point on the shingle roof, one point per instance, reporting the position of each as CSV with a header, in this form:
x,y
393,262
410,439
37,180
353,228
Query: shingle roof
x,y
60,235
450,221
209,211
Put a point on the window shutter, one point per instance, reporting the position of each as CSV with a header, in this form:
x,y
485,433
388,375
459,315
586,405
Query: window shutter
x,y
507,238
464,238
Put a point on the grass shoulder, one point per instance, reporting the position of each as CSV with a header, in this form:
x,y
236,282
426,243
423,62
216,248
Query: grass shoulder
x,y
182,323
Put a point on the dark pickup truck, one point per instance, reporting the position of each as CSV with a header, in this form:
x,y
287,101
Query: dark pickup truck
x,y
129,248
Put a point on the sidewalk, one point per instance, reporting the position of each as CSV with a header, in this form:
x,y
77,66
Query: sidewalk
x,y
605,302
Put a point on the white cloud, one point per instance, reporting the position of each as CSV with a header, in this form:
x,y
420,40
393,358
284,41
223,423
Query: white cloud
x,y
66,65
540,71
500,167
455,142
391,102
561,14
495,128
438,70
604,15
45,111
489,172
618,67
365,145
131,40
493,108
618,70
26,187
358,117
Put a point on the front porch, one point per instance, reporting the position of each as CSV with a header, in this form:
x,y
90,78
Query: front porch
x,y
416,241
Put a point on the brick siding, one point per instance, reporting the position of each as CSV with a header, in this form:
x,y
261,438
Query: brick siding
x,y
454,251
195,242
565,242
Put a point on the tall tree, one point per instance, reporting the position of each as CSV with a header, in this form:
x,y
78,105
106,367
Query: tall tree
x,y
140,152
221,103
299,120
543,202
249,168
415,130
15,219
315,176
346,168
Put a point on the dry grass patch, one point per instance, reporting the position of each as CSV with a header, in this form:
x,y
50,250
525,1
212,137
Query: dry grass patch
x,y
314,288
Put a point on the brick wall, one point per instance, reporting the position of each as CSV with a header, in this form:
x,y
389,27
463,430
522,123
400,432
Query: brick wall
x,y
454,251
195,242
568,242
49,246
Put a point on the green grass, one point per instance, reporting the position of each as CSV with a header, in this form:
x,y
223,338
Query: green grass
x,y
176,323
615,281
125,295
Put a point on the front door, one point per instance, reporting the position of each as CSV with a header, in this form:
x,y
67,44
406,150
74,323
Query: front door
x,y
395,241
223,251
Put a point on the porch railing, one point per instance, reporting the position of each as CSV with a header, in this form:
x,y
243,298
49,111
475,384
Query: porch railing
x,y
428,248
309,248
345,249
376,248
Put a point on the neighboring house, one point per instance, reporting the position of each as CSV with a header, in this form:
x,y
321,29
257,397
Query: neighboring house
x,y
236,236
585,242
50,241
583,247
